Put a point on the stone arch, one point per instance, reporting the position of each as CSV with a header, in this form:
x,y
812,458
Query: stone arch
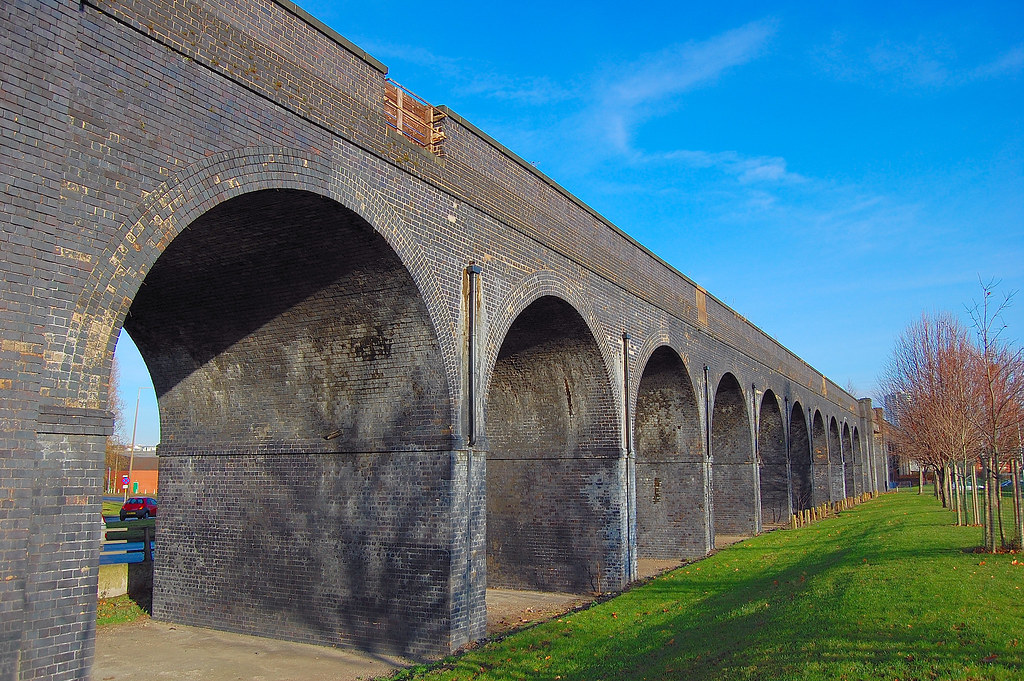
x,y
800,459
772,462
538,285
279,305
835,462
864,484
732,470
151,226
819,453
670,503
555,474
849,462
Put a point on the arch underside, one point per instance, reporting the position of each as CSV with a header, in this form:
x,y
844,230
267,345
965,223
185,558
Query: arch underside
x,y
774,470
306,428
821,492
861,472
835,459
849,463
800,455
670,513
554,464
733,468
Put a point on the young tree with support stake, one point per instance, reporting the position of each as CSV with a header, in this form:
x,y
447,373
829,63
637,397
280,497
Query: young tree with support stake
x,y
999,418
958,402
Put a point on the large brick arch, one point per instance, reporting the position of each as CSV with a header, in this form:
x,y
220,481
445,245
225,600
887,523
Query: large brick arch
x,y
555,473
340,383
529,289
734,491
772,461
849,461
670,501
835,460
819,457
164,213
800,458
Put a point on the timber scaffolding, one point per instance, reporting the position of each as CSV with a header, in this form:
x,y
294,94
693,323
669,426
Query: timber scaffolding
x,y
413,117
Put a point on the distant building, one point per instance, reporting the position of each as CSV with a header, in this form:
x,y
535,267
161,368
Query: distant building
x,y
144,472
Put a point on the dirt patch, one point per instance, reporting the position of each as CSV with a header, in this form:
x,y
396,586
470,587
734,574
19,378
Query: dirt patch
x,y
507,609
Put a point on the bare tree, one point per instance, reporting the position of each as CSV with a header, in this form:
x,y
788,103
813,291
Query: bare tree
x,y
927,378
999,415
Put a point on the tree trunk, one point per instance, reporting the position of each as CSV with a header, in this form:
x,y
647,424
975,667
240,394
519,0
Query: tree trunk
x,y
989,533
974,494
947,489
968,520
920,480
954,486
1018,521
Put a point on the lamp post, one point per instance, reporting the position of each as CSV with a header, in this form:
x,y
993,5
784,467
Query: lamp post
x,y
135,425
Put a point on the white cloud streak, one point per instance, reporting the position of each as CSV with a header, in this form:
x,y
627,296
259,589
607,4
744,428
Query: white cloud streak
x,y
651,85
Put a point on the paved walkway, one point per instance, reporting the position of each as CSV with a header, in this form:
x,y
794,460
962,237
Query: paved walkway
x,y
158,650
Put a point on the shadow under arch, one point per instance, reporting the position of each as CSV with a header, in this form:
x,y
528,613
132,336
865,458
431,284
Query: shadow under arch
x,y
168,210
820,466
301,376
670,501
849,462
555,471
835,462
774,468
734,489
800,459
862,471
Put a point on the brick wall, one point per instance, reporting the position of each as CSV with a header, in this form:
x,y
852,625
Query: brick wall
x,y
670,485
218,178
773,474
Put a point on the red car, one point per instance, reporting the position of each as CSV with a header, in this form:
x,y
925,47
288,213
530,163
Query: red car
x,y
138,507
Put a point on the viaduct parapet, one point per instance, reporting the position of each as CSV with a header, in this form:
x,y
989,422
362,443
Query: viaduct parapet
x,y
395,364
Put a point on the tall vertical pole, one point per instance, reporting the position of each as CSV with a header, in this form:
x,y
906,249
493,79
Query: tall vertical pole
x,y
474,272
709,511
630,464
131,454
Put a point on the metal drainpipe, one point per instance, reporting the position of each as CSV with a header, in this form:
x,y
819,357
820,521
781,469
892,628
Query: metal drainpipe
x,y
758,511
709,531
474,272
628,432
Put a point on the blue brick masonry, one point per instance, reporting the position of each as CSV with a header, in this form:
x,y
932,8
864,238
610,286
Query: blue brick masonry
x,y
219,180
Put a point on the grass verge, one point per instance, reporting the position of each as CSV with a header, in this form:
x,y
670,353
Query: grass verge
x,y
888,590
118,610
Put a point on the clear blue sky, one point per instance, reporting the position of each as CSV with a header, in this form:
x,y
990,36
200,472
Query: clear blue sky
x,y
829,170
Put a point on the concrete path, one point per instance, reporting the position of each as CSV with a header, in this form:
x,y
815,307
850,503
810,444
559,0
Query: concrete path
x,y
158,650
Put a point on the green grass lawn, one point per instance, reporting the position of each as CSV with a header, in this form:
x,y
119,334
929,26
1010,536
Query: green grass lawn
x,y
889,590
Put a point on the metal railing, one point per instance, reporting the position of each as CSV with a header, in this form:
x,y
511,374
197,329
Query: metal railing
x,y
413,117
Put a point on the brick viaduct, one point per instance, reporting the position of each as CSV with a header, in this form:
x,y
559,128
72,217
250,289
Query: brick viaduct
x,y
388,376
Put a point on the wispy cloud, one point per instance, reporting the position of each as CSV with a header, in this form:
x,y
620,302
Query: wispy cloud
x,y
746,169
651,85
927,62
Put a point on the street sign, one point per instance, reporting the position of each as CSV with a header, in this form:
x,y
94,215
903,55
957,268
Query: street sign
x,y
124,482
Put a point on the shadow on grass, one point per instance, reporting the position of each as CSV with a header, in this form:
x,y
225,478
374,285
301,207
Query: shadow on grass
x,y
836,600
